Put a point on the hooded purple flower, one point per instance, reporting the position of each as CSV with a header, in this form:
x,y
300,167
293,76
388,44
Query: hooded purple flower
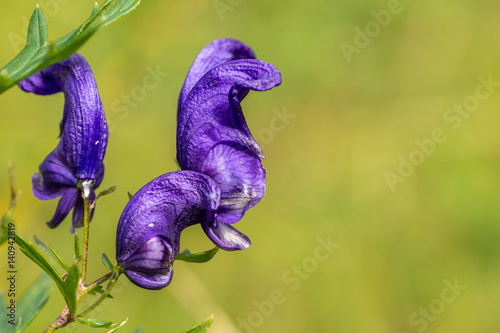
x,y
147,240
213,137
76,164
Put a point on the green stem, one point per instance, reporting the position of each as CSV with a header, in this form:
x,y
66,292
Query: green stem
x,y
94,284
86,229
60,322
114,278
65,318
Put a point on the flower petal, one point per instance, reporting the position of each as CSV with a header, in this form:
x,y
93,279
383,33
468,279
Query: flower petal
x,y
212,113
242,179
67,201
41,84
84,131
216,53
150,266
161,210
226,237
54,178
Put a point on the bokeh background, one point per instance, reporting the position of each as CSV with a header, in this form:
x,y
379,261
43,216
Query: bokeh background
x,y
359,108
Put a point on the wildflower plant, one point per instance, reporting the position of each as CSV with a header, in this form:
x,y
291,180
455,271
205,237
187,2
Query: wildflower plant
x,y
221,174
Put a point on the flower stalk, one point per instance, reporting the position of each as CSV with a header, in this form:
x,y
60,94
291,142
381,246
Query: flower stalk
x,y
65,317
88,206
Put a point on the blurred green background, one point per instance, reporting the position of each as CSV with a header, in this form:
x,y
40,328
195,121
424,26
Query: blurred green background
x,y
359,103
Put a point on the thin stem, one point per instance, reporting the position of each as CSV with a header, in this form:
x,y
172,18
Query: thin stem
x,y
111,284
65,318
94,284
60,322
86,229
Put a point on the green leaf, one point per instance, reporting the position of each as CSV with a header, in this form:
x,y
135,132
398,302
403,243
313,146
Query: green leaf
x,y
107,191
32,252
100,290
203,327
95,323
107,263
199,257
52,252
130,195
38,54
117,327
33,300
78,254
96,8
36,39
7,226
71,287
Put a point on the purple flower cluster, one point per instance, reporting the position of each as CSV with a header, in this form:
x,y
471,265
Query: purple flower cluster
x,y
221,178
222,175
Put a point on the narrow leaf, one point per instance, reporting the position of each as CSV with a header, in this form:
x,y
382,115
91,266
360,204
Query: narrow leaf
x,y
96,8
100,290
117,327
199,257
32,252
38,54
107,191
36,39
53,253
33,300
78,254
95,323
130,195
106,262
203,327
71,287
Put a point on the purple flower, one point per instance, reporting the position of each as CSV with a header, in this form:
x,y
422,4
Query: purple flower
x,y
147,240
76,164
213,137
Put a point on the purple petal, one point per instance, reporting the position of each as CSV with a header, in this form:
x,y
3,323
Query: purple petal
x,y
84,131
226,237
161,210
40,84
216,53
54,178
67,201
240,175
99,177
150,266
212,113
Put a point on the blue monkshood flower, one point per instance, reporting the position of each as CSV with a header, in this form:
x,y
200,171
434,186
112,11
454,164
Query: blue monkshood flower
x,y
75,166
147,239
213,137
